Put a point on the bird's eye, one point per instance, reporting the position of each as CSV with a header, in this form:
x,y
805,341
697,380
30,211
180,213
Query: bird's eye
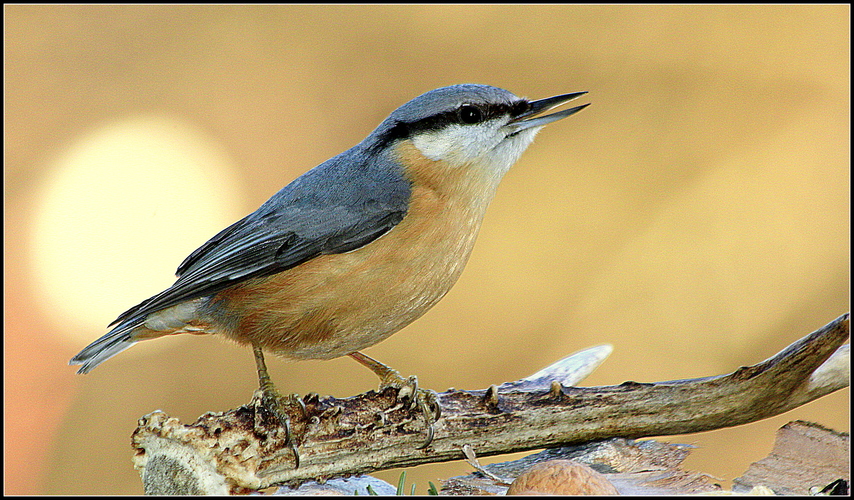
x,y
470,114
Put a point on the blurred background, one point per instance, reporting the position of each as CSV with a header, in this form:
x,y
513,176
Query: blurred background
x,y
696,216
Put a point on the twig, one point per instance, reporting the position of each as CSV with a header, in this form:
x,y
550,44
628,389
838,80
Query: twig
x,y
225,452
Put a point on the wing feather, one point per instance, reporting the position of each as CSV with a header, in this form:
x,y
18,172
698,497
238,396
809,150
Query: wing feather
x,y
330,209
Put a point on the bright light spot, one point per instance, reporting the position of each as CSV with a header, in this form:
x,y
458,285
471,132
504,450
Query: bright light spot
x,y
124,206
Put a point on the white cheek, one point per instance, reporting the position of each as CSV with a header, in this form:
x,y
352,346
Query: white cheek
x,y
434,145
474,147
457,144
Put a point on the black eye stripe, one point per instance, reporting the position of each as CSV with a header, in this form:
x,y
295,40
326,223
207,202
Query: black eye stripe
x,y
488,112
403,130
519,107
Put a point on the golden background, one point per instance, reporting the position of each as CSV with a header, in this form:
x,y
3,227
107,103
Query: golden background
x,y
695,216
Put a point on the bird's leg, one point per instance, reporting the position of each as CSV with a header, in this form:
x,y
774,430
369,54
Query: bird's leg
x,y
408,392
272,400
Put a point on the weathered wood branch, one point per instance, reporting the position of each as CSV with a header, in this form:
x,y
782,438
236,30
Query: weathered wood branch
x,y
806,456
243,449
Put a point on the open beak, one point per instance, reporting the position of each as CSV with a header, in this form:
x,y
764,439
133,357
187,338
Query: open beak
x,y
529,119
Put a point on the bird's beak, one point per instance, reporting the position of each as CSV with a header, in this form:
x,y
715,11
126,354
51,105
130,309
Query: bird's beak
x,y
526,120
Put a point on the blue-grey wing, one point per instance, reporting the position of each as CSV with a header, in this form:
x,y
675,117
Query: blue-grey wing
x,y
330,209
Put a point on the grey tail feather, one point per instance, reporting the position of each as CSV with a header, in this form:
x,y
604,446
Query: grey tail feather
x,y
115,341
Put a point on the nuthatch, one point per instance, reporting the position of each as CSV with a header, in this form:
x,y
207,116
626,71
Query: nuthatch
x,y
354,249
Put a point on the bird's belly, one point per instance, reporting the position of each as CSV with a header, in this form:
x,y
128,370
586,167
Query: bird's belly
x,y
336,304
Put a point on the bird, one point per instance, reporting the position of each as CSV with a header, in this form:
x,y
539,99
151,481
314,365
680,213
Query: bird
x,y
353,250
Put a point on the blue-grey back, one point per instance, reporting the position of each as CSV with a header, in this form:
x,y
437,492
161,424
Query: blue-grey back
x,y
342,204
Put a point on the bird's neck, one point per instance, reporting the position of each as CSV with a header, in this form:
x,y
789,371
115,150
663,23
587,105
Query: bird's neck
x,y
465,187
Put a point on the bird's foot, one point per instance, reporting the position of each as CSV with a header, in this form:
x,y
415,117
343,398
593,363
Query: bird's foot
x,y
280,407
409,395
267,399
412,397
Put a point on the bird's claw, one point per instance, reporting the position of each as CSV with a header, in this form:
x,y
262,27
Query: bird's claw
x,y
282,407
411,397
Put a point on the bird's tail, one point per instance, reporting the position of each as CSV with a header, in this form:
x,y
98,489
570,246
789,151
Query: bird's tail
x,y
115,341
180,318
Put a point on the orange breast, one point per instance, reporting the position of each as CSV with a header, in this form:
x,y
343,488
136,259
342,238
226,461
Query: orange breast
x,y
337,304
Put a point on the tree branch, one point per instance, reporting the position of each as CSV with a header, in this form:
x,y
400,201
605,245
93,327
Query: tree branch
x,y
243,449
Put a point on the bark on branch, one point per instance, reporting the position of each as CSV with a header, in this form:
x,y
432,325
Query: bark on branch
x,y
242,449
